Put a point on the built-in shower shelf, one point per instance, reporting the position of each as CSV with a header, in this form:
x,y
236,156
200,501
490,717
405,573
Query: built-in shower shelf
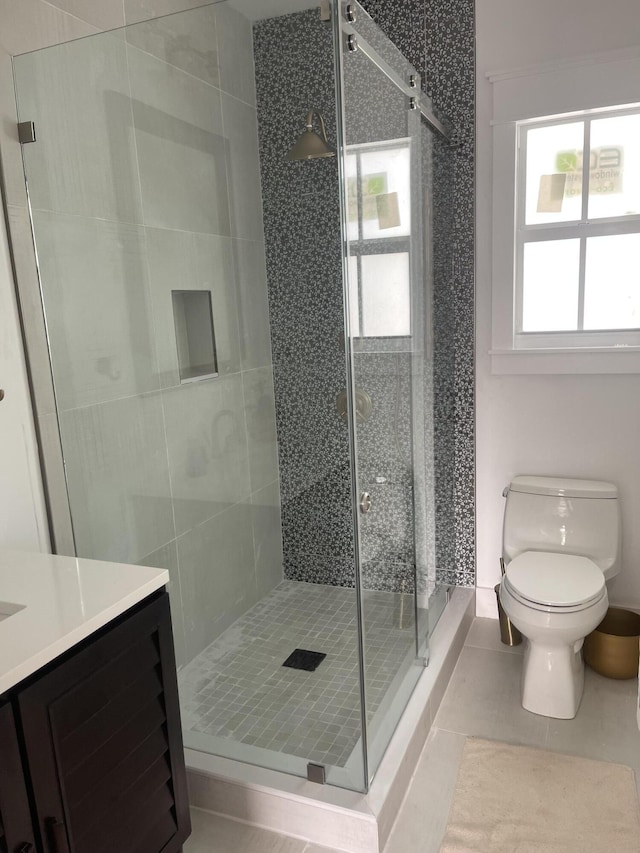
x,y
195,337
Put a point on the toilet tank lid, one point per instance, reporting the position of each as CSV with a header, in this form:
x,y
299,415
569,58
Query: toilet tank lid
x,y
564,487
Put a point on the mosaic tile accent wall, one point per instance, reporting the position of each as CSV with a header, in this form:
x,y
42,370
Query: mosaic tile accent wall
x,y
294,73
438,38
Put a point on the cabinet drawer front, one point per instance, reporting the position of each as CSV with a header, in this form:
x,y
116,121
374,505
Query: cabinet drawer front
x,y
104,743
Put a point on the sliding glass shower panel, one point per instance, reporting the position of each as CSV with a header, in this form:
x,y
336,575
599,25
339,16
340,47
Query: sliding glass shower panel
x,y
387,319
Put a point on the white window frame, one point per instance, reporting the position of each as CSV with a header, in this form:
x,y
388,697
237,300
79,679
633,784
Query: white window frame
x,y
580,229
565,91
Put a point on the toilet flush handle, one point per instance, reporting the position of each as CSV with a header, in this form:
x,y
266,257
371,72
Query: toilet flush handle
x,y
505,491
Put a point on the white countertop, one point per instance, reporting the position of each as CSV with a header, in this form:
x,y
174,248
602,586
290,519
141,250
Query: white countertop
x,y
50,603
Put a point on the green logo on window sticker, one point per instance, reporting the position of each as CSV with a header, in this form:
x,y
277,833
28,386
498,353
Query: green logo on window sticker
x,y
566,161
375,184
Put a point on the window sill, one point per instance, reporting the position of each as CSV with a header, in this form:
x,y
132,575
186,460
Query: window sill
x,y
551,361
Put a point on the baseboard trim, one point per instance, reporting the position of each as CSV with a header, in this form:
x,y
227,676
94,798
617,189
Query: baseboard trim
x,y
486,606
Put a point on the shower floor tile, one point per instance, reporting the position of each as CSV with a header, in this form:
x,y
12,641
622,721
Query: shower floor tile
x,y
238,689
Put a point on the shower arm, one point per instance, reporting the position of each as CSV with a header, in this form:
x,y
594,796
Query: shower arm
x,y
309,124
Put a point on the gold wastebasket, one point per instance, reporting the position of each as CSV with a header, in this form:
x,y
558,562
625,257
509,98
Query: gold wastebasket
x,y
509,634
613,648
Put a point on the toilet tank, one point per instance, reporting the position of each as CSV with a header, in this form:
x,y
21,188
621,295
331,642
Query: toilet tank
x,y
566,516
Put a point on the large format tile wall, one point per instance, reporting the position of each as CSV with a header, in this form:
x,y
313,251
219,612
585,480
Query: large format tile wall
x,y
144,180
294,72
438,39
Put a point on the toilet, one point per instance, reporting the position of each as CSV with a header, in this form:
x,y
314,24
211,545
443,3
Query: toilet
x,y
561,544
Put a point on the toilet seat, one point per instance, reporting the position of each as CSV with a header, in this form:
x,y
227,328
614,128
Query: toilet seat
x,y
555,583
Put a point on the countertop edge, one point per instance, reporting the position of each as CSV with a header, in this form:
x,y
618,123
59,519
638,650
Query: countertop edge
x,y
27,668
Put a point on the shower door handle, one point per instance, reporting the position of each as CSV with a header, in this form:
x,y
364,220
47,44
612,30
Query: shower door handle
x,y
365,503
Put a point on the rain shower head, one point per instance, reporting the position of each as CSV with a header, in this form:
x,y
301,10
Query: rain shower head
x,y
311,144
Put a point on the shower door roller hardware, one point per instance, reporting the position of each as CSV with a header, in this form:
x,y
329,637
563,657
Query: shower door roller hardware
x,y
413,81
26,132
352,43
316,773
1,394
350,13
365,503
413,104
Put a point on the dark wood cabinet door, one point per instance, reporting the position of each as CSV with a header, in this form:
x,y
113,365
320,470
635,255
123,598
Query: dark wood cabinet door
x,y
104,745
16,830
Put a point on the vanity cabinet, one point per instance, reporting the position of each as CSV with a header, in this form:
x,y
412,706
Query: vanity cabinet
x,y
16,830
102,756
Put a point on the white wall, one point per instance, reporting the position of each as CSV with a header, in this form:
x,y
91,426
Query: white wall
x,y
581,426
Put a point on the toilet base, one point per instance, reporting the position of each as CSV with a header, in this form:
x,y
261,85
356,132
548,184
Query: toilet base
x,y
553,680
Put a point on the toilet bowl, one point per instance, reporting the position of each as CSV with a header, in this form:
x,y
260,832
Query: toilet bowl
x,y
561,543
554,600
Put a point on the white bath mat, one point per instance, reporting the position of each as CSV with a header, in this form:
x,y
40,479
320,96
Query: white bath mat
x,y
512,799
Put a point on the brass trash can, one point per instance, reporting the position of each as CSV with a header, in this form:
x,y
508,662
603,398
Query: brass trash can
x,y
613,648
509,634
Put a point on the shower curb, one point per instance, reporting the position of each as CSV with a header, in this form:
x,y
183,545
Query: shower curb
x,y
323,814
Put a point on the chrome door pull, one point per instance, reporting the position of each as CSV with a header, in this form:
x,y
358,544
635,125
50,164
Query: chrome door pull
x,y
365,502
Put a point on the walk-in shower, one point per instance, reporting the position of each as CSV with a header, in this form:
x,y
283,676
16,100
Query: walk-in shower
x,y
249,386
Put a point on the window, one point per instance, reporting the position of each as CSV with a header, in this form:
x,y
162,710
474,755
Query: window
x,y
565,216
577,280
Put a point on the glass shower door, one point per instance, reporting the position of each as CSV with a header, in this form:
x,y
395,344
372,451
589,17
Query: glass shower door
x,y
388,342
148,193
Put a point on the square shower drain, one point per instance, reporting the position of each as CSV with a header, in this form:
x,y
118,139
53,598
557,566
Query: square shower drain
x,y
304,659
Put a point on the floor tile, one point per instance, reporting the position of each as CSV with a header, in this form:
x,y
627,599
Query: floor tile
x,y
313,848
214,834
238,689
485,634
605,726
419,829
483,700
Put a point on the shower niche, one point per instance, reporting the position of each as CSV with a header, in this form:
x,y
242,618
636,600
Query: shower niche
x,y
195,337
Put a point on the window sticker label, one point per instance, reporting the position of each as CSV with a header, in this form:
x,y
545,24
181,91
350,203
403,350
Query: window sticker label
x,y
371,186
606,170
551,193
388,211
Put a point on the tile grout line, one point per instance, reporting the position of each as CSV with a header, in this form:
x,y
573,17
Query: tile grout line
x,y
488,649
